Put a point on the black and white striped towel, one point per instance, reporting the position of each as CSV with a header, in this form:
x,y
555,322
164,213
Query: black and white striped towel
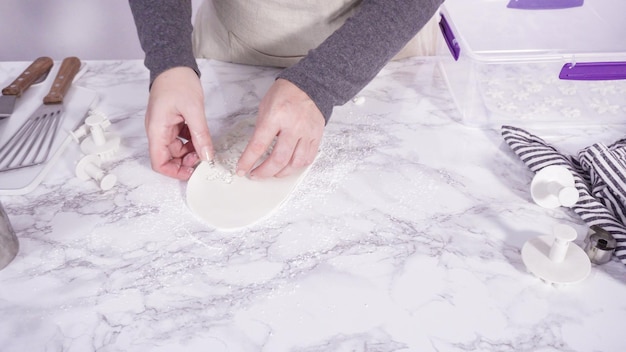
x,y
599,175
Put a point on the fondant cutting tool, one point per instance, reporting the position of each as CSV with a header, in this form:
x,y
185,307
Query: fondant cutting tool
x,y
555,258
554,186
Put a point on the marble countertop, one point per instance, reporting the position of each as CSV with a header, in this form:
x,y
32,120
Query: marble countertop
x,y
405,236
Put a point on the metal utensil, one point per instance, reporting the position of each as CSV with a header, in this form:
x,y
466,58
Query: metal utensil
x,y
599,245
34,73
9,245
32,142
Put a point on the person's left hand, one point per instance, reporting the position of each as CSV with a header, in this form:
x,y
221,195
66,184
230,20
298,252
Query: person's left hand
x,y
289,115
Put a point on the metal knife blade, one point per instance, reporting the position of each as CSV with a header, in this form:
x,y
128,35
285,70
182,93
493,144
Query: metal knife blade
x,y
36,70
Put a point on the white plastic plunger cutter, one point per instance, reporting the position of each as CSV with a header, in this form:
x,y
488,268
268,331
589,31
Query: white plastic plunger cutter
x,y
555,258
553,186
104,144
89,168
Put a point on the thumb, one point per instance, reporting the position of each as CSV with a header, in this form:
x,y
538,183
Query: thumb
x,y
199,131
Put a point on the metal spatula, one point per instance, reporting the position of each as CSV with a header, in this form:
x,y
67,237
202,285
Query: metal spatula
x,y
32,143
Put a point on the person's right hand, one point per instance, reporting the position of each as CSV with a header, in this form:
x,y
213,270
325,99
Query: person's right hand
x,y
178,134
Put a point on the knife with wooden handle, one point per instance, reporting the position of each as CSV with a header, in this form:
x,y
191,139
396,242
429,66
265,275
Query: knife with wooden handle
x,y
69,68
32,142
37,69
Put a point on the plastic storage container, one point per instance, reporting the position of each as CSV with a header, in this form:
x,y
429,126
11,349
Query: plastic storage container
x,y
535,62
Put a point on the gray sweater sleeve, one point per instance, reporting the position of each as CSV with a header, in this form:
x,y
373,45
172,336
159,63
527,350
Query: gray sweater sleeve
x,y
164,29
350,58
330,74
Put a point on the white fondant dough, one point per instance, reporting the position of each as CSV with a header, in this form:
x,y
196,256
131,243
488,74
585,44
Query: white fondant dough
x,y
229,202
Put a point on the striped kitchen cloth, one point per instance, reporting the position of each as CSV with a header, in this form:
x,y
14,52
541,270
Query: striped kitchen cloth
x,y
599,175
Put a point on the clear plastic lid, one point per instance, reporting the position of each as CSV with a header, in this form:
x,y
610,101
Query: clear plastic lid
x,y
494,30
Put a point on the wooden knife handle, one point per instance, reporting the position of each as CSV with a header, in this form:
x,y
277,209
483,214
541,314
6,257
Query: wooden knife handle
x,y
35,70
62,82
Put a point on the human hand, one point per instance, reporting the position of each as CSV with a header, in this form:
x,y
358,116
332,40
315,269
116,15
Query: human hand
x,y
289,115
178,135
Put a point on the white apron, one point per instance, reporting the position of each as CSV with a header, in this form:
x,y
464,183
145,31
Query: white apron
x,y
280,32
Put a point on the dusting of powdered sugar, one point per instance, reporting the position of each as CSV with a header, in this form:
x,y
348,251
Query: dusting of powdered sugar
x,y
219,172
228,150
345,146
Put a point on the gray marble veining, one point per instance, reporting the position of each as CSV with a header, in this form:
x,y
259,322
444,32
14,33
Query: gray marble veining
x,y
405,236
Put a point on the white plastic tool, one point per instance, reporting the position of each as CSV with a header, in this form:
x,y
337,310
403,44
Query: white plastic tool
x,y
89,167
555,258
101,143
553,186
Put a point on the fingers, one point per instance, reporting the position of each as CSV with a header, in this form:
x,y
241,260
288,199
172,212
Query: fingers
x,y
177,168
176,159
200,136
280,157
288,116
176,110
292,151
303,156
257,146
288,156
168,154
